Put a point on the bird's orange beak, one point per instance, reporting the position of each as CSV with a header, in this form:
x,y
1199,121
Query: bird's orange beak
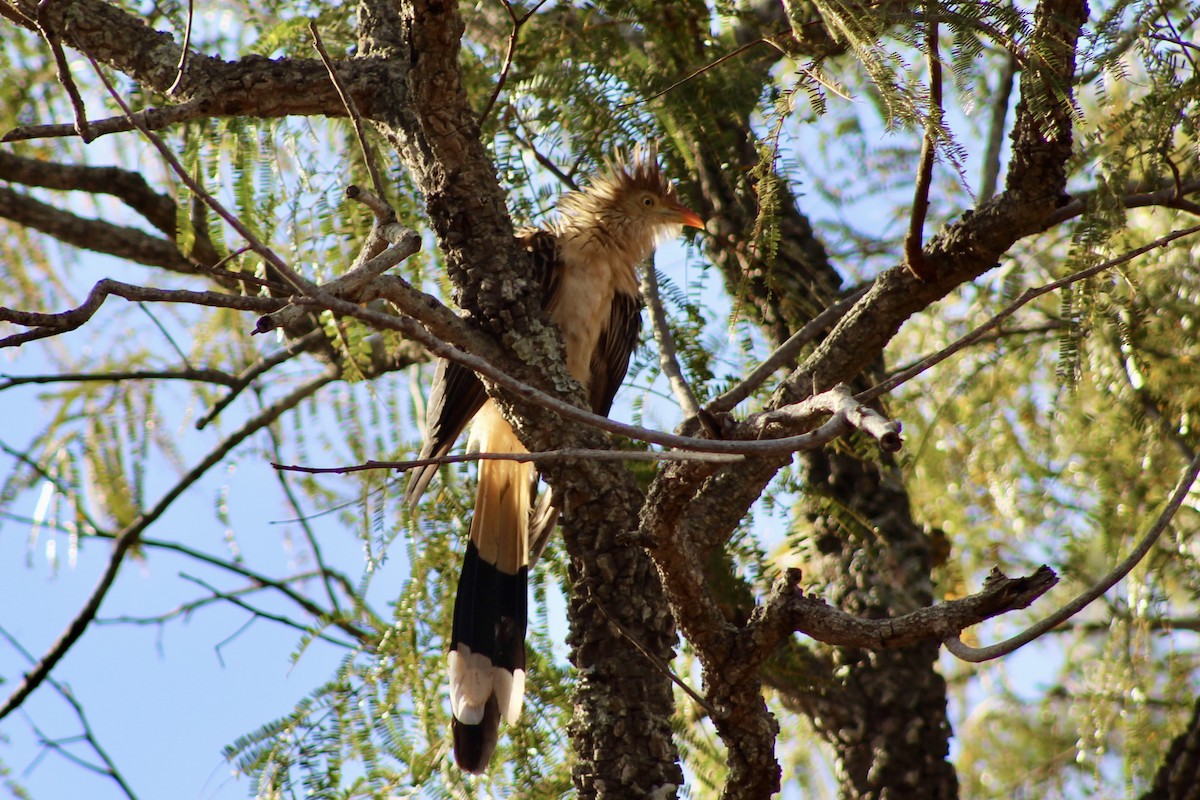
x,y
689,218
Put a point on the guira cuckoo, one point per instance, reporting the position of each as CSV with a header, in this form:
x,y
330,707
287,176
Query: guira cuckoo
x,y
586,262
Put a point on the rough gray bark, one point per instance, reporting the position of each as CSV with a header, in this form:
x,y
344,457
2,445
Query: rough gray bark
x,y
1178,778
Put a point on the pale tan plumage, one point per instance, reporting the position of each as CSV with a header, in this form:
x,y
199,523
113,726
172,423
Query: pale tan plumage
x,y
587,264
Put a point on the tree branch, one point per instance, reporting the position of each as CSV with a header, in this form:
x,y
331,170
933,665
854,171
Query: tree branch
x,y
787,610
914,259
667,357
128,187
109,770
1028,296
121,241
45,325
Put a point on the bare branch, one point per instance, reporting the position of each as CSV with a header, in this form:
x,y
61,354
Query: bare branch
x,y
1171,195
1000,99
914,259
235,599
45,325
405,242
109,768
543,457
658,663
309,534
979,654
187,374
789,610
280,585
1026,297
785,419
150,118
784,355
101,236
667,357
231,219
259,367
508,57
352,110
64,70
129,187
181,70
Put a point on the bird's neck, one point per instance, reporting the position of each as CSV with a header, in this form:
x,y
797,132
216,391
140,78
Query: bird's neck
x,y
616,245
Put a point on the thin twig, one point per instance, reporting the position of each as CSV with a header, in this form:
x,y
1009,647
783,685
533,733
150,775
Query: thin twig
x,y
998,335
129,536
785,354
109,769
513,34
979,654
352,110
201,375
1028,296
309,534
259,367
183,51
166,334
1185,47
73,497
280,585
658,663
701,70
914,257
230,597
297,282
544,160
64,71
668,359
542,457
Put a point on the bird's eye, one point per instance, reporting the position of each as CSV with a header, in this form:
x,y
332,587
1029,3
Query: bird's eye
x,y
647,201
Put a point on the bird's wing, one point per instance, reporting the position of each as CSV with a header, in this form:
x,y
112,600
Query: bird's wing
x,y
609,364
617,342
544,261
457,394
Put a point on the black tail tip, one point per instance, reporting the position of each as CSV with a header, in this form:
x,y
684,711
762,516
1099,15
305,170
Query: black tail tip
x,y
474,744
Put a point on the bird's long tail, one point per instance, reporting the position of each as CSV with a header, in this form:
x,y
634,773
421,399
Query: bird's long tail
x,y
487,648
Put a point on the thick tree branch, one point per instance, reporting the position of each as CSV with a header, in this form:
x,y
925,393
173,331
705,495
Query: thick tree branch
x,y
96,235
788,610
251,86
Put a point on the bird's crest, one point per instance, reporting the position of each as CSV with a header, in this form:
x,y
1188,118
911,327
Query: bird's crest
x,y
636,170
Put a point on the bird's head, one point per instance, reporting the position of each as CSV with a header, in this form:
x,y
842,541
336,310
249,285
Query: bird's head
x,y
631,205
